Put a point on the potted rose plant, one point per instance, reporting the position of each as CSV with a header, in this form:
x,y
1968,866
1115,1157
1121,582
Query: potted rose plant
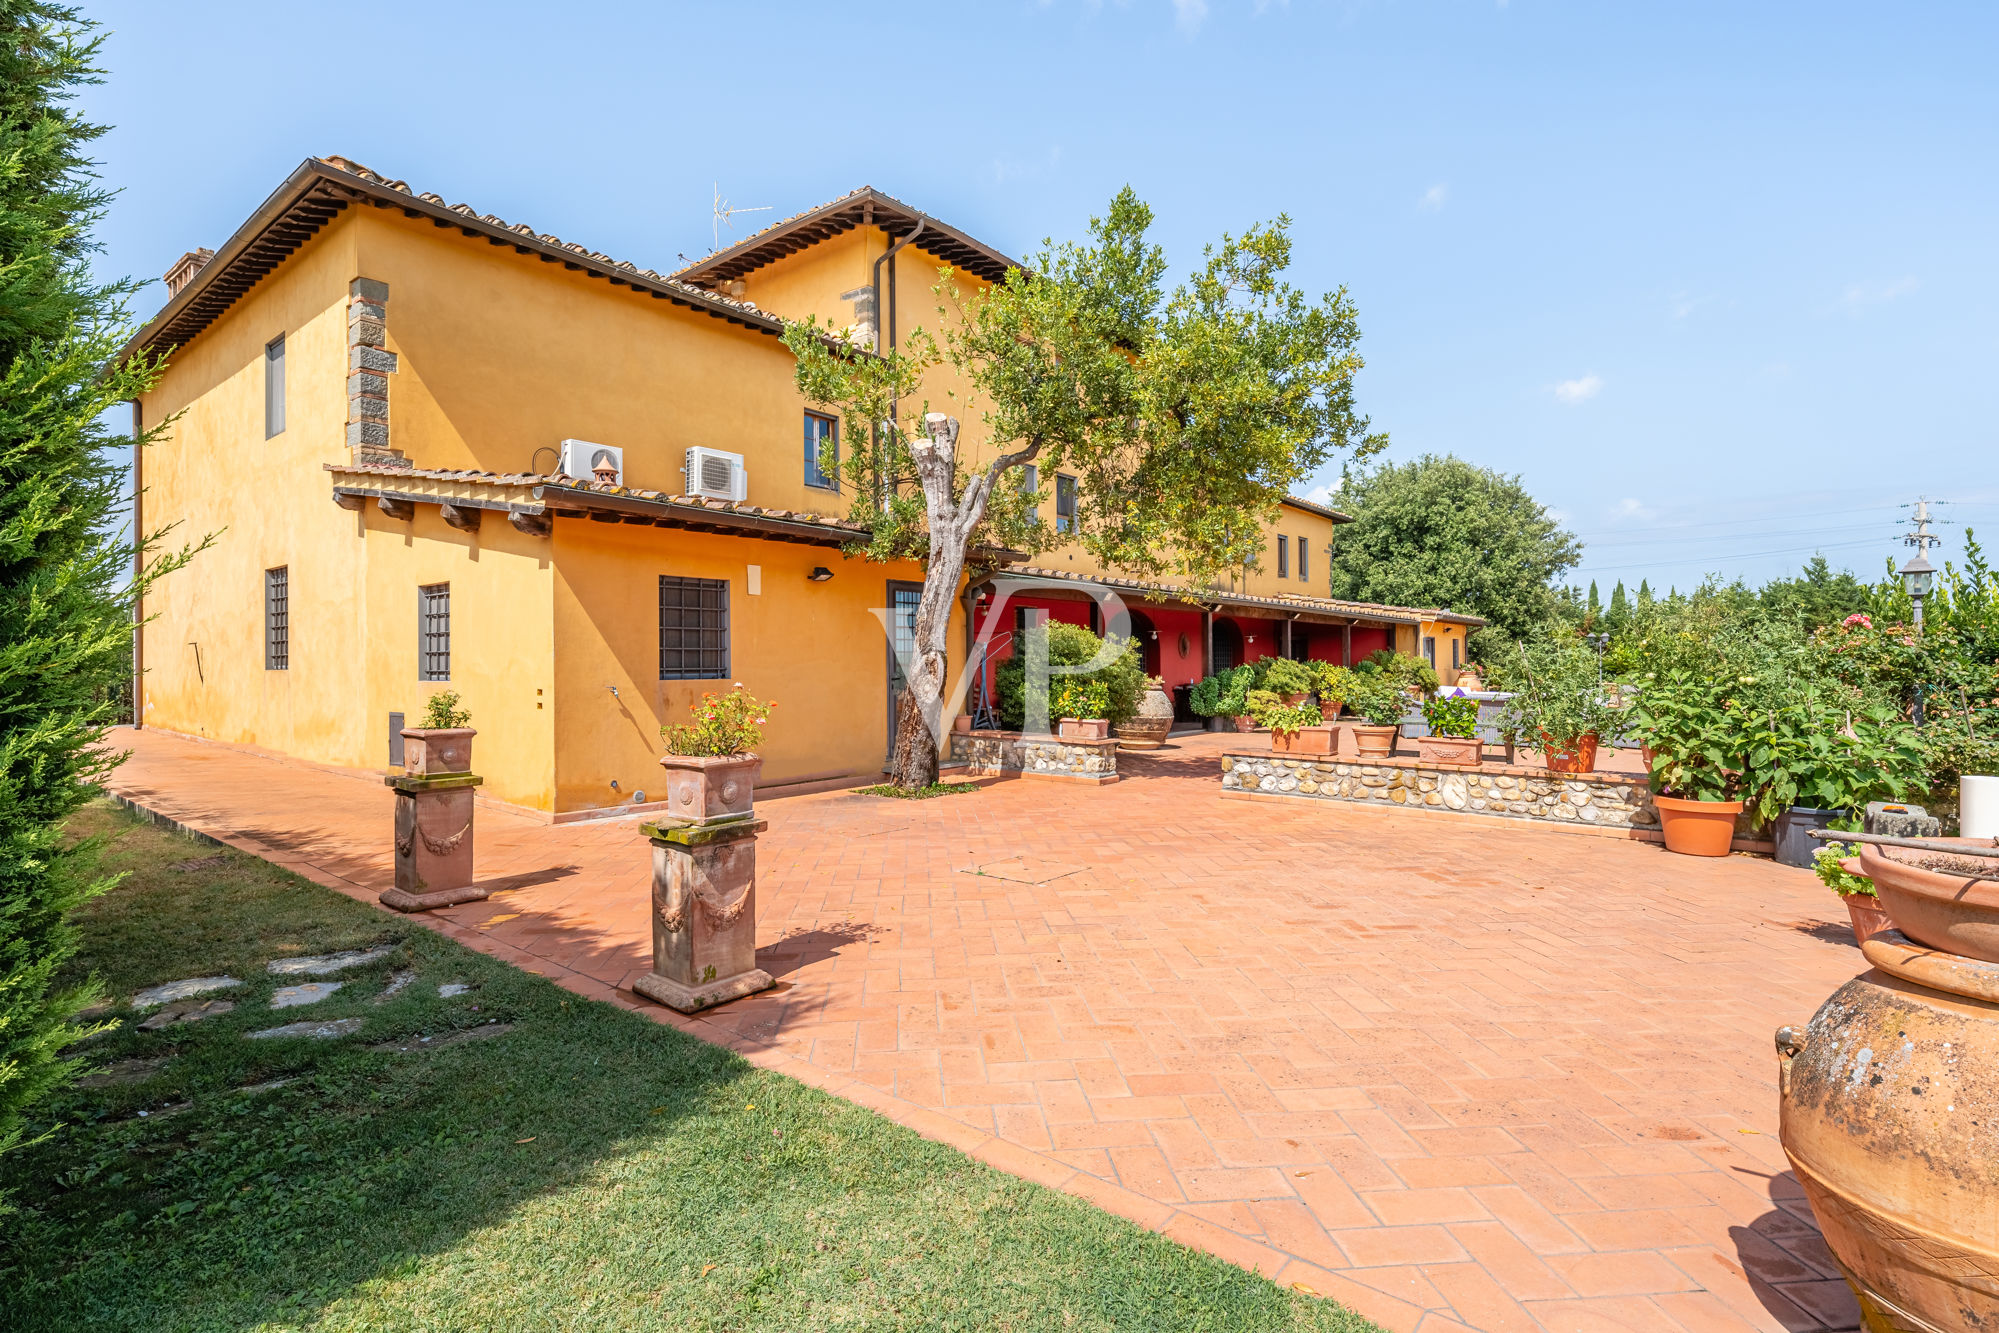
x,y
711,764
1453,737
1295,727
1838,868
442,743
1081,706
1381,708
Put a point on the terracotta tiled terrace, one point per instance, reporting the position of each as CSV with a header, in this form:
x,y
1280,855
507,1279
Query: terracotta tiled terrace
x,y
1453,1074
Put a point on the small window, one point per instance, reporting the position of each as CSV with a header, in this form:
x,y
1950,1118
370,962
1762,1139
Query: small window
x,y
1283,556
1303,559
1065,503
1030,481
1430,650
277,619
274,386
693,628
822,452
433,631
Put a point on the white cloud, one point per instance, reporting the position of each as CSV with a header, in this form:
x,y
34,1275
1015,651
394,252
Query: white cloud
x,y
1320,495
1433,198
1629,508
1579,390
1860,295
1188,15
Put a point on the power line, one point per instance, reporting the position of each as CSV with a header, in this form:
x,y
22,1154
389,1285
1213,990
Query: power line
x,y
1586,568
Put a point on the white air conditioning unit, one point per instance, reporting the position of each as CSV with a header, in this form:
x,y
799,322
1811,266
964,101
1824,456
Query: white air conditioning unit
x,y
717,475
591,462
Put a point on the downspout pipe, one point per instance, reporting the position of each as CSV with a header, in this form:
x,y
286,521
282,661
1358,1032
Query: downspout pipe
x,y
885,314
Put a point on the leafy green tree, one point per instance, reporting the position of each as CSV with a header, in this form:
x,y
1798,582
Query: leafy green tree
x,y
1816,596
1619,614
1644,597
66,586
1185,417
1446,533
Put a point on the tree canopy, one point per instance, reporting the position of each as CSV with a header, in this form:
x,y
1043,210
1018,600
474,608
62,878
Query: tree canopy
x,y
1441,532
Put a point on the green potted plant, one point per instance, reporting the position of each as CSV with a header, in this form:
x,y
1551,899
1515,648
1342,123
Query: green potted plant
x,y
442,742
1081,706
1295,727
1699,743
1290,681
1838,868
1812,764
1561,704
1402,671
1381,707
1334,685
710,761
1453,737
1223,698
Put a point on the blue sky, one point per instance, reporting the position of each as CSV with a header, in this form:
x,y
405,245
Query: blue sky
x,y
1718,280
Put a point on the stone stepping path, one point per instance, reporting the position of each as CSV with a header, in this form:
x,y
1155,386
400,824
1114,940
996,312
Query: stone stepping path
x,y
311,992
338,1027
318,965
479,1033
136,1070
451,988
186,1011
396,984
154,996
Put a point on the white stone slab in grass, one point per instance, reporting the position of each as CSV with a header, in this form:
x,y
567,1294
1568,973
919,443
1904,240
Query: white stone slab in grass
x,y
318,965
395,986
186,1011
166,992
311,992
451,988
339,1027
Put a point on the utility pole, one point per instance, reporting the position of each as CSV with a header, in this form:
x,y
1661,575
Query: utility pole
x,y
1918,576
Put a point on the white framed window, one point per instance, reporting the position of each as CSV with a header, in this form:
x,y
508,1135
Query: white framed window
x,y
274,386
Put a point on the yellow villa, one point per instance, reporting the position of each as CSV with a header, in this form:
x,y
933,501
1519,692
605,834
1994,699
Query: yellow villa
x,y
435,446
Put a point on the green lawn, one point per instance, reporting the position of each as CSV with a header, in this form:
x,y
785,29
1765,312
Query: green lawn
x,y
587,1169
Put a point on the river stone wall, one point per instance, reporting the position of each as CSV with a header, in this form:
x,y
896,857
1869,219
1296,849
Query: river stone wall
x,y
1610,800
993,753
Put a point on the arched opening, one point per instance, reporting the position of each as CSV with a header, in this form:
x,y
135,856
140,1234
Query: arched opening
x,y
1228,644
1146,635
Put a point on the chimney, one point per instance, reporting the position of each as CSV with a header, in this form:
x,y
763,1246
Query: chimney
x,y
184,269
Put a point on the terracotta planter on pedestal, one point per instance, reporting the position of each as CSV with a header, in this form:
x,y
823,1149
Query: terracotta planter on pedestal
x,y
703,789
1083,728
428,751
1458,751
1305,740
1373,742
1697,828
1580,759
961,724
433,842
1887,1100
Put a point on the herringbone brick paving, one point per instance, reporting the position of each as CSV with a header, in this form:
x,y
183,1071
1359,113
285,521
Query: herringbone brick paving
x,y
1453,1074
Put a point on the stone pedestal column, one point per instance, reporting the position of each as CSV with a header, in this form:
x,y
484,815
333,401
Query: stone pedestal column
x,y
433,842
704,914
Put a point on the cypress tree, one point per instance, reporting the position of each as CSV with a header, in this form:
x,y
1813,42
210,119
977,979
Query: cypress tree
x,y
1644,596
66,584
1620,606
1594,607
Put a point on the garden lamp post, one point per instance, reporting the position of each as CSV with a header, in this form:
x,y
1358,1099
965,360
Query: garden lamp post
x,y
1917,577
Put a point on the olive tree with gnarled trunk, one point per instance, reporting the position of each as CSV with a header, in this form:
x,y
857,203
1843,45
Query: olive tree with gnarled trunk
x,y
1185,418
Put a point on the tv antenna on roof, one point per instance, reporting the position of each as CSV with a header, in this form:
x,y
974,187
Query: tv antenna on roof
x,y
724,211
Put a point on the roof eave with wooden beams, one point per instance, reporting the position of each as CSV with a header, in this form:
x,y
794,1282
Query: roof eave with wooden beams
x,y
865,207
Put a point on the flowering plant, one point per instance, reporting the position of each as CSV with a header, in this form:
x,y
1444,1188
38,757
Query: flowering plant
x,y
724,724
442,712
1078,697
1270,710
1451,716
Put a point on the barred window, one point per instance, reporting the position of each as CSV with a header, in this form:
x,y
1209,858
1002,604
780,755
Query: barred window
x,y
277,618
693,628
433,631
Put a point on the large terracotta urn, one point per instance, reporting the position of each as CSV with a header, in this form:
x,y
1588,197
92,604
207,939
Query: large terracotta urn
x,y
1890,1112
1149,729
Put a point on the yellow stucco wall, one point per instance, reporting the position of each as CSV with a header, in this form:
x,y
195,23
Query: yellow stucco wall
x,y
1445,633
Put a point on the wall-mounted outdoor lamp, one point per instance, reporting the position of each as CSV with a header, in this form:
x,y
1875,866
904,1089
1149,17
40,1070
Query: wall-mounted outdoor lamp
x,y
819,574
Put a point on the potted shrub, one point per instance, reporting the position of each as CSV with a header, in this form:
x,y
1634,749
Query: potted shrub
x,y
1334,685
1838,868
1453,737
1223,699
1699,759
1400,671
1560,703
1381,707
1116,669
1147,729
1295,727
1809,764
1081,706
711,764
1288,680
443,743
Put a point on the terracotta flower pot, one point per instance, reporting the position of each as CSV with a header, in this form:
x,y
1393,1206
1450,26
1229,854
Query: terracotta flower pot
x,y
1330,712
1305,740
1580,759
1458,751
1864,911
710,789
961,723
429,751
1697,828
1245,723
1951,910
1083,728
1374,742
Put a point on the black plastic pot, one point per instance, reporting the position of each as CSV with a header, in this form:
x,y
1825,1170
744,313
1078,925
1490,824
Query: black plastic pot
x,y
1792,833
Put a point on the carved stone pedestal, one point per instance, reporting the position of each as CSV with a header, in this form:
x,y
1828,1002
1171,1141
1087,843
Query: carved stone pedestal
x,y
433,842
704,914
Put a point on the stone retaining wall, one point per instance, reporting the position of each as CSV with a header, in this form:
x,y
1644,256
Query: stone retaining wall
x,y
1608,800
995,753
